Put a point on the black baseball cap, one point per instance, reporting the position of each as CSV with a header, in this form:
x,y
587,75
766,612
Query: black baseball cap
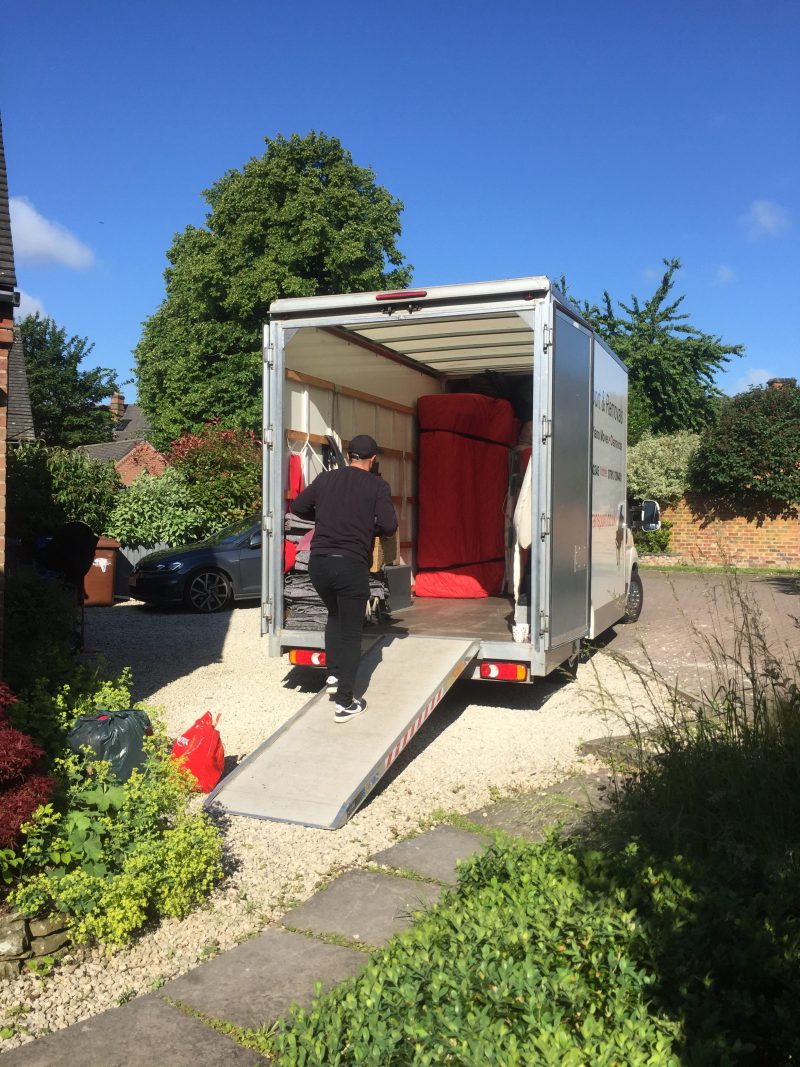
x,y
362,446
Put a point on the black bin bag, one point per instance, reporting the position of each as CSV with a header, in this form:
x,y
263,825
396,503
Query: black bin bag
x,y
115,736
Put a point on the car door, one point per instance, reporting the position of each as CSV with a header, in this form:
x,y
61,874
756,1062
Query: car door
x,y
250,564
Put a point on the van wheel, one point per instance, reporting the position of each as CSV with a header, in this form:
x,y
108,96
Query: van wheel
x,y
633,605
208,591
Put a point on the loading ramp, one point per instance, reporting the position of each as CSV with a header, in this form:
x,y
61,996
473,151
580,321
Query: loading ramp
x,y
317,772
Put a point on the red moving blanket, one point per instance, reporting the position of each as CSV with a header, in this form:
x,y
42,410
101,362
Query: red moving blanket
x,y
463,479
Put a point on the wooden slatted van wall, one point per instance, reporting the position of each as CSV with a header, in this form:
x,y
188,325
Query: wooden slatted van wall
x,y
312,405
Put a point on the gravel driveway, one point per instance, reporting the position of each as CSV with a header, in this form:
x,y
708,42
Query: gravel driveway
x,y
484,740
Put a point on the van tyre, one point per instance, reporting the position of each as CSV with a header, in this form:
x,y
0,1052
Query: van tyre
x,y
208,591
633,605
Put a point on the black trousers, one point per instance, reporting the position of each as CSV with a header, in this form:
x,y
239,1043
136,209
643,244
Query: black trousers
x,y
343,586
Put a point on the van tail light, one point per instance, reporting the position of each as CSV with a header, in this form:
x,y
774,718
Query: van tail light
x,y
307,657
404,294
504,672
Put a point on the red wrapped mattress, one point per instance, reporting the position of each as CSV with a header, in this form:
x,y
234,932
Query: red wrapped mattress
x,y
463,479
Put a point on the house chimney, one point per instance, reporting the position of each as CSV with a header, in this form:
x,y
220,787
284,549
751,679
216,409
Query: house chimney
x,y
781,383
117,405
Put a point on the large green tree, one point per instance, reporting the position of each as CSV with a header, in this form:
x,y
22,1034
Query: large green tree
x,y
671,363
303,219
751,455
66,401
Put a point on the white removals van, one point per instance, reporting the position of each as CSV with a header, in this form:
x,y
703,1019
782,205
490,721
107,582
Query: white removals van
x,y
358,363
565,569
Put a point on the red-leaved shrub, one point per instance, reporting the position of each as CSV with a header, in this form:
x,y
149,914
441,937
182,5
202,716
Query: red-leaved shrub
x,y
22,787
18,803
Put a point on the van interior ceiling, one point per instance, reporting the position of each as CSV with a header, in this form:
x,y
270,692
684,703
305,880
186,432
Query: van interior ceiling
x,y
450,402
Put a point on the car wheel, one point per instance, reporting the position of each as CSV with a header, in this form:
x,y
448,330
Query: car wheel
x,y
633,605
208,591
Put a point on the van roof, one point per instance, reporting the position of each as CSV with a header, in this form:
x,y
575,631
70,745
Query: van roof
x,y
420,295
468,328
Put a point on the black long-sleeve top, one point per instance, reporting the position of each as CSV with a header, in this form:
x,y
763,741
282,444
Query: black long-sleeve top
x,y
349,506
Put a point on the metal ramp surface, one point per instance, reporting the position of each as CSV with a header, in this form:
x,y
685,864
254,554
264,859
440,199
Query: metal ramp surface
x,y
316,771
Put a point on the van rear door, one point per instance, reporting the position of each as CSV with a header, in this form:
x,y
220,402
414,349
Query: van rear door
x,y
570,481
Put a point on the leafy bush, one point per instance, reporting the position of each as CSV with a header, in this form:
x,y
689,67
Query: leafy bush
x,y
159,509
656,541
50,486
658,465
538,957
223,468
112,856
752,455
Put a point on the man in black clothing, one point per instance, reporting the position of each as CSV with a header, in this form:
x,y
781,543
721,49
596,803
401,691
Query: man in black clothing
x,y
349,506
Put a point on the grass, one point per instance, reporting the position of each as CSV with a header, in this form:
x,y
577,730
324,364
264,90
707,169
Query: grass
x,y
669,934
696,568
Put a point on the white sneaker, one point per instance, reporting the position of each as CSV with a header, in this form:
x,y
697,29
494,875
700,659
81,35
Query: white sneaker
x,y
345,714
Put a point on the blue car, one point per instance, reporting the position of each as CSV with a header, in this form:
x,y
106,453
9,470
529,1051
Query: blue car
x,y
207,576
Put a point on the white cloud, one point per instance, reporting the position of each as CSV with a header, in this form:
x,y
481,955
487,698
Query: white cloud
x,y
28,305
765,218
725,274
38,240
755,376
651,273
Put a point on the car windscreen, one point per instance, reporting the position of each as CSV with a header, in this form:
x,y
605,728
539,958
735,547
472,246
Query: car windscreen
x,y
231,532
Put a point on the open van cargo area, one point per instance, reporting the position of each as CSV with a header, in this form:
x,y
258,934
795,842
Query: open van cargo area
x,y
531,388
455,446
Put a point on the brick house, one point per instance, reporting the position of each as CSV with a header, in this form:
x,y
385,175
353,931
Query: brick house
x,y
129,449
9,299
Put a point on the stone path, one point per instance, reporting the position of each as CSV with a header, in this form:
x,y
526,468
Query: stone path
x,y
327,939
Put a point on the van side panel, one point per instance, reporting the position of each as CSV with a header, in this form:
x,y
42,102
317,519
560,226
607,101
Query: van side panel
x,y
609,447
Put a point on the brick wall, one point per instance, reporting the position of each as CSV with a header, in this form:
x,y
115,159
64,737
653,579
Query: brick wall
x,y
6,341
140,459
700,534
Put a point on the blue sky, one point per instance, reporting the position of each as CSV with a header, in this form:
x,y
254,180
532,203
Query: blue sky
x,y
522,137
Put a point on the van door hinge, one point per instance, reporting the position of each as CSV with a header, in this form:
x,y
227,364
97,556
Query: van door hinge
x,y
544,524
547,428
547,339
266,524
269,436
268,355
266,610
544,622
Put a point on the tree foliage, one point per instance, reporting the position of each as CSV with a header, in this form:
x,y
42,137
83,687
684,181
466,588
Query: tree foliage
x,y
303,219
658,466
65,400
751,456
670,362
157,510
223,470
50,486
213,480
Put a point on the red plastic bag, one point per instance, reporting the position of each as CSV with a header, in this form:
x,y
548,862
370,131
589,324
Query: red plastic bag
x,y
200,751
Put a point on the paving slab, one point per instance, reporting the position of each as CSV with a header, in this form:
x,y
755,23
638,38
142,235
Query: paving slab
x,y
532,815
144,1033
363,906
254,984
434,854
